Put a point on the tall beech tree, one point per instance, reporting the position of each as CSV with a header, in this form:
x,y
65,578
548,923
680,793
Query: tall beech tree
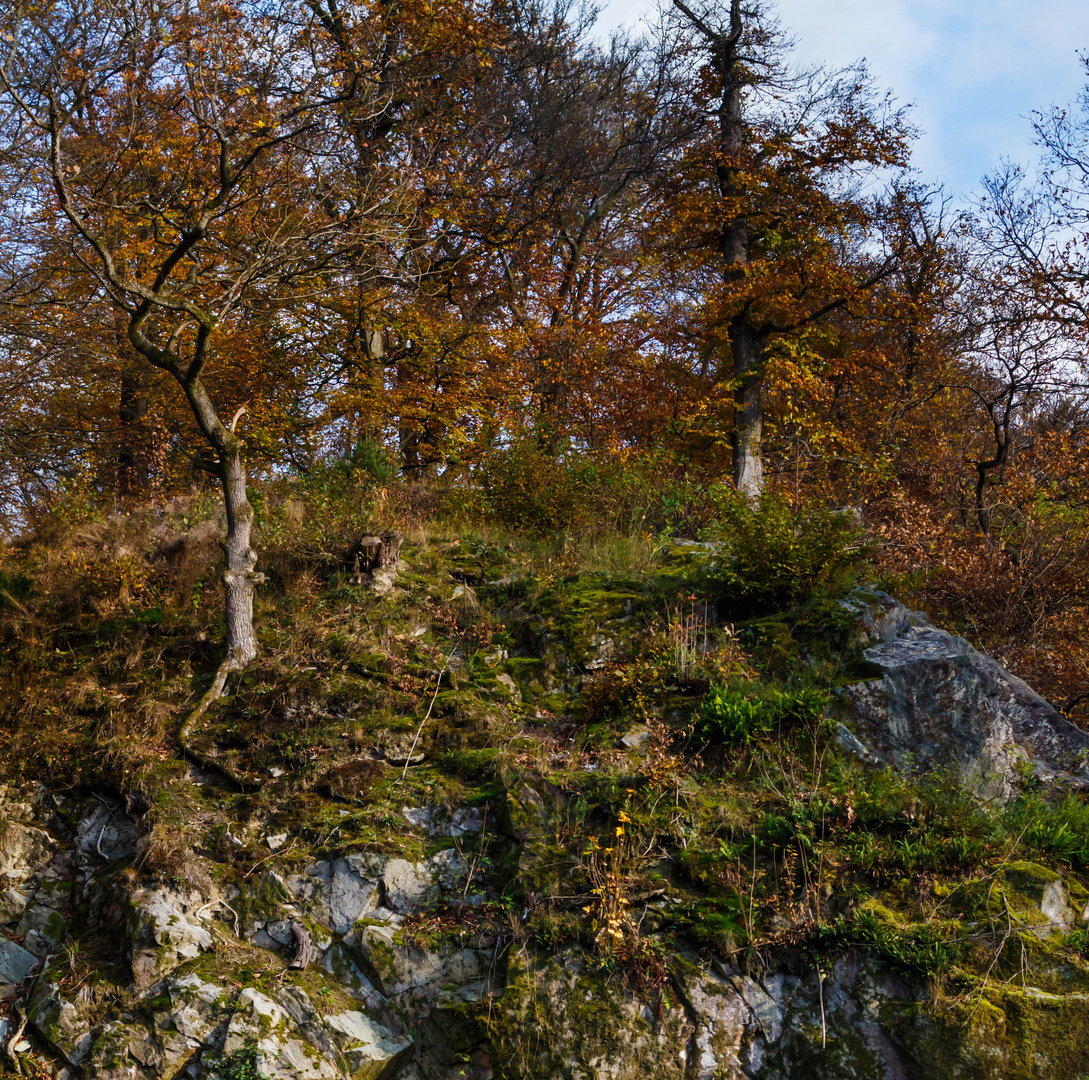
x,y
773,205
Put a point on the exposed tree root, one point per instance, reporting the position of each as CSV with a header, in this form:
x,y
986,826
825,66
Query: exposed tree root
x,y
211,696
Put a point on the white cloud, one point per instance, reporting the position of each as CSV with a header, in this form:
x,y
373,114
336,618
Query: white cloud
x,y
974,69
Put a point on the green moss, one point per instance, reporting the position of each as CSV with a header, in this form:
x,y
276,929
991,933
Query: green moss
x,y
555,1019
1004,1033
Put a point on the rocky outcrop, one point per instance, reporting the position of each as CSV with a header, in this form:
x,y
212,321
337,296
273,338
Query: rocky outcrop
x,y
935,702
164,931
358,1003
714,1023
374,940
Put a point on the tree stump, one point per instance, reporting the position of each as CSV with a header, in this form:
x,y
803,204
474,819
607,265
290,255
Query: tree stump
x,y
375,560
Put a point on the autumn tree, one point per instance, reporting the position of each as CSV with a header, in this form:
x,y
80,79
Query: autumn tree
x,y
588,128
214,177
774,211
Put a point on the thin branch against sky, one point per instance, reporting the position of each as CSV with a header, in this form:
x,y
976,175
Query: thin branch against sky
x,y
974,69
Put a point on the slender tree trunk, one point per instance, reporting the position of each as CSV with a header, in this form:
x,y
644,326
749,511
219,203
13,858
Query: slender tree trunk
x,y
239,579
132,467
132,480
735,246
747,347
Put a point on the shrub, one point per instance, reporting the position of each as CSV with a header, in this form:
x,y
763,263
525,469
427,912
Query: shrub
x,y
367,459
619,689
737,712
774,554
525,488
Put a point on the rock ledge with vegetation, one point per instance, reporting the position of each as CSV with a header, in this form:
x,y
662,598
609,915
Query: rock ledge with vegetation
x,y
508,819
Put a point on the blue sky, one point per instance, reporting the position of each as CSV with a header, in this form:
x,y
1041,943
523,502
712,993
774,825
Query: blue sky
x,y
974,69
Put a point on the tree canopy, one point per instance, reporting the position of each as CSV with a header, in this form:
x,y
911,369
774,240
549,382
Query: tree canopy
x,y
471,245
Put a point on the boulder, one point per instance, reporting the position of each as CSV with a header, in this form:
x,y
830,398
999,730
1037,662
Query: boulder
x,y
66,1025
24,851
564,1019
408,975
261,1027
163,934
406,885
400,748
190,1023
13,903
436,821
15,962
369,1049
108,1057
289,1040
335,894
937,703
107,835
43,925
1038,897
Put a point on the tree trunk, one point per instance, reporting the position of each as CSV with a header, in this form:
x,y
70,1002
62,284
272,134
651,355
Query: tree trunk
x,y
134,403
747,347
239,579
735,246
133,478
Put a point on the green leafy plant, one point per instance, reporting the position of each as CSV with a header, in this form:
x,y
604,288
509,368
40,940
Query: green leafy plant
x,y
743,709
774,554
921,949
242,1065
527,489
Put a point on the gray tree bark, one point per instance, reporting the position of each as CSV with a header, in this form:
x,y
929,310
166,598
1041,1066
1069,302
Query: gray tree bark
x,y
747,340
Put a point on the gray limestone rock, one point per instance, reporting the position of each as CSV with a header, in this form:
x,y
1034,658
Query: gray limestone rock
x,y
15,962
563,1018
108,1057
12,904
400,748
290,1040
164,935
368,1048
280,1050
334,894
635,738
43,925
722,1018
353,892
64,1024
193,1022
939,703
436,821
107,835
880,617
408,975
406,885
24,851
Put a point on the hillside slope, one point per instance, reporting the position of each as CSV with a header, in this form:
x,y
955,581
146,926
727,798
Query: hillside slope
x,y
521,818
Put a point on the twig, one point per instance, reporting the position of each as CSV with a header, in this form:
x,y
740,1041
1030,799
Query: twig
x,y
268,858
438,683
479,855
14,1041
102,833
222,903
